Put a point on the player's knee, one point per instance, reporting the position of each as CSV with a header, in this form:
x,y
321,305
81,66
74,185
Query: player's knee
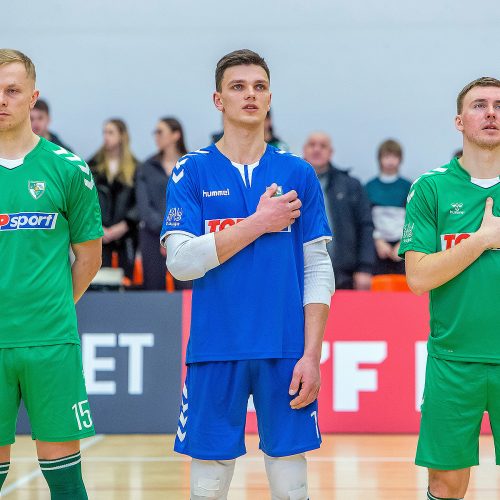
x,y
447,484
211,478
287,477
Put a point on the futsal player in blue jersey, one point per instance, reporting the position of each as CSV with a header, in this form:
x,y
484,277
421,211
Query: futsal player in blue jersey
x,y
247,223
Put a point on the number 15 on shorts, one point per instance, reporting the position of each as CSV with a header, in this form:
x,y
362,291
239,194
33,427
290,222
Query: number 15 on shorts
x,y
82,414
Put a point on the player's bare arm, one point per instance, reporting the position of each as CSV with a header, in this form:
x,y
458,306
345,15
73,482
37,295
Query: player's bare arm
x,y
306,378
88,256
425,272
273,214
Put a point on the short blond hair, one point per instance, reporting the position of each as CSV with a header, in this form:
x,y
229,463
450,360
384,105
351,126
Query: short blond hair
x,y
484,81
9,56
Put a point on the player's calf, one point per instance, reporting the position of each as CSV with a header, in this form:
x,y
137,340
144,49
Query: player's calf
x,y
211,478
64,477
287,477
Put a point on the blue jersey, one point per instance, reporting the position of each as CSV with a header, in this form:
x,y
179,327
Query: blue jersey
x,y
250,307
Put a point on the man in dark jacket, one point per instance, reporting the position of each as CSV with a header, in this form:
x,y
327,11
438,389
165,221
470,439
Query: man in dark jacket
x,y
40,120
349,215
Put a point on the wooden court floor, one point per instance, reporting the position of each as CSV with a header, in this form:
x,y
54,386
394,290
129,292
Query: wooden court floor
x,y
347,467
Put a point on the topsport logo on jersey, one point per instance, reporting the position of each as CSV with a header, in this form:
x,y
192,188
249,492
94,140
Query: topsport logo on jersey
x,y
27,220
451,240
216,225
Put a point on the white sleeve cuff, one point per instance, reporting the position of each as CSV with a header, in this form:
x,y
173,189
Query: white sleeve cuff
x,y
319,280
191,257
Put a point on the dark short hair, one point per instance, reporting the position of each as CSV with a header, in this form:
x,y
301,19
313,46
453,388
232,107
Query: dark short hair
x,y
390,146
42,105
484,81
238,58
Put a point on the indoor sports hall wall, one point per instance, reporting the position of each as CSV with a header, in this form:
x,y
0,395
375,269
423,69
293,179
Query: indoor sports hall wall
x,y
362,71
373,361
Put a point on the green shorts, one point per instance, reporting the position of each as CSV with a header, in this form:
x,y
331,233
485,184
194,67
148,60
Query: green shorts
x,y
456,395
50,381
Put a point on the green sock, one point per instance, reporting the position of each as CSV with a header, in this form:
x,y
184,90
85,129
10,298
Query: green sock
x,y
430,496
64,477
4,469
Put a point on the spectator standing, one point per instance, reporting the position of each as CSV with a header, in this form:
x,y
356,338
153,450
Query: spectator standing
x,y
40,121
114,168
349,215
270,137
387,193
151,183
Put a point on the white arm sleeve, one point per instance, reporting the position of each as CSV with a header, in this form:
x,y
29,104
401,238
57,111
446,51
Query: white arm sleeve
x,y
319,281
190,257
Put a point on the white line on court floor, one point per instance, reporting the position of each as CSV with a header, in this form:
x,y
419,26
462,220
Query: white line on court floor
x,y
23,480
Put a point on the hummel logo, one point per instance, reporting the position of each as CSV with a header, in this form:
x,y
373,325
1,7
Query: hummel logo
x,y
177,177
198,151
181,435
220,192
81,164
183,419
457,209
179,164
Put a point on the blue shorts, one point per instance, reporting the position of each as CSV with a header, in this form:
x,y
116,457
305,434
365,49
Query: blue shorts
x,y
214,407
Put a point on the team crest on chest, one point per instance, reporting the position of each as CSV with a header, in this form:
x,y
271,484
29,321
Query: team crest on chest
x,y
36,189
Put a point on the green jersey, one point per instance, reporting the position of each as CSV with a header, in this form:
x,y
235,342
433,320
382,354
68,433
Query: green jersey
x,y
445,206
46,203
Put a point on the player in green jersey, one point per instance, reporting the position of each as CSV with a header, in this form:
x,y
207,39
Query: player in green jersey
x,y
48,203
451,244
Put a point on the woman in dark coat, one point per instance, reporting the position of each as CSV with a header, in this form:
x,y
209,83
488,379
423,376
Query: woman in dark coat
x,y
151,184
114,168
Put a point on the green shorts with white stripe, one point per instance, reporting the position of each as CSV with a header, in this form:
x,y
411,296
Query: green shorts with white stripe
x,y
50,381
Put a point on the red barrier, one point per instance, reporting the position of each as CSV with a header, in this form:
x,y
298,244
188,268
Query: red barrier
x,y
373,363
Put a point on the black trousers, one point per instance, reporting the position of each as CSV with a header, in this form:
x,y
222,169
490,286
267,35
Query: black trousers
x,y
125,248
388,266
343,280
153,263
